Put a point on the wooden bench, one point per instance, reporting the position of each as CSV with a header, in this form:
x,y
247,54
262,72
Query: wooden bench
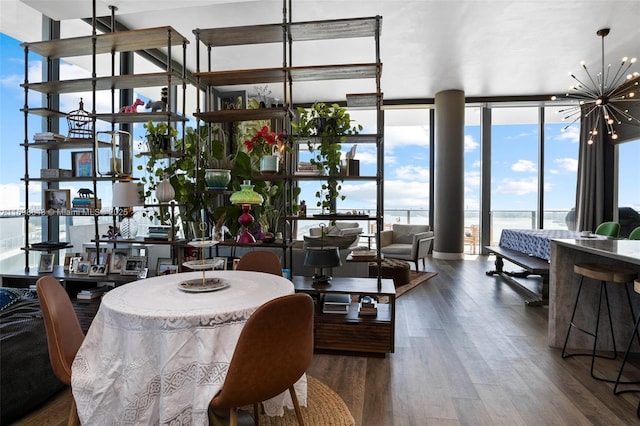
x,y
532,266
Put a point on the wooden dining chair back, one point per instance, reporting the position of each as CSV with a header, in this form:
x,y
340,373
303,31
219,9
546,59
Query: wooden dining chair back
x,y
608,229
274,350
260,261
64,334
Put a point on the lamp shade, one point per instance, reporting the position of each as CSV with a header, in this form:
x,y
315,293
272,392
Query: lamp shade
x,y
246,195
322,257
125,194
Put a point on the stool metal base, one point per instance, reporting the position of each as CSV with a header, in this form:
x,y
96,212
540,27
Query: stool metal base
x,y
594,334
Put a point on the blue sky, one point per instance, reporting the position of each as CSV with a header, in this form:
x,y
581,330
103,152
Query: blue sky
x,y
514,155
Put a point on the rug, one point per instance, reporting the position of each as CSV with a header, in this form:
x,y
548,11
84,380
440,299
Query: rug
x,y
417,278
324,407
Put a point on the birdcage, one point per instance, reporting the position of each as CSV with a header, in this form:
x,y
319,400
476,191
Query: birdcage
x,y
80,123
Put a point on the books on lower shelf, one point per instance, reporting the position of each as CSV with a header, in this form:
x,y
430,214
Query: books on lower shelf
x,y
335,303
92,293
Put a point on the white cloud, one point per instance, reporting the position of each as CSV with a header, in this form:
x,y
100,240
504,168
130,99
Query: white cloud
x,y
524,166
517,186
397,136
571,134
11,196
411,173
567,164
470,144
471,179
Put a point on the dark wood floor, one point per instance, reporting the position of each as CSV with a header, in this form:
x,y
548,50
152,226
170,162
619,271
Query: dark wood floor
x,y
468,352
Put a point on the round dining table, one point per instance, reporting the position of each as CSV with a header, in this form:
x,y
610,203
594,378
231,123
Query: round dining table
x,y
158,350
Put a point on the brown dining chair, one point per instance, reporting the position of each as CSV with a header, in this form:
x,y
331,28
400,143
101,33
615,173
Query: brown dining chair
x,y
260,261
64,334
274,350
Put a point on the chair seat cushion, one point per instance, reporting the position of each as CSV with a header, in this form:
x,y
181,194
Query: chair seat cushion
x,y
395,250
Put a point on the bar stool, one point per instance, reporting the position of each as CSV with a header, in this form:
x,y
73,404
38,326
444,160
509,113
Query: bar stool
x,y
636,288
605,274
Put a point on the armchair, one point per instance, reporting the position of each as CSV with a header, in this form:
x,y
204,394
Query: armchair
x,y
406,242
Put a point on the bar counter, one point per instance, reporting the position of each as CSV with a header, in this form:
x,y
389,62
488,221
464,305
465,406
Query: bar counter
x,y
563,287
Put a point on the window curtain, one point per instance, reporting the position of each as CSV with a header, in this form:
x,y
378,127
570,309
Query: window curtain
x,y
591,174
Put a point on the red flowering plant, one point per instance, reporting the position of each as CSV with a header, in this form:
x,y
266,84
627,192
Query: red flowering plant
x,y
264,142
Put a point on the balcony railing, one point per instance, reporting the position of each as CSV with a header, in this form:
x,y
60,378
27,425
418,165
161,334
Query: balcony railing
x,y
12,228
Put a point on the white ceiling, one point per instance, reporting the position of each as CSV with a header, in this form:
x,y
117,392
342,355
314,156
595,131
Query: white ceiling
x,y
486,48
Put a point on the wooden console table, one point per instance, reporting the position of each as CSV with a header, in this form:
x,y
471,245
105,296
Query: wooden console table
x,y
352,332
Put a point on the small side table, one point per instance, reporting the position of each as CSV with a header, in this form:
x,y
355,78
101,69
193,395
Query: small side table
x,y
368,237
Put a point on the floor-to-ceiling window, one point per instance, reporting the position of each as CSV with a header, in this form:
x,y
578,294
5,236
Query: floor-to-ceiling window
x,y
472,176
628,186
514,168
560,168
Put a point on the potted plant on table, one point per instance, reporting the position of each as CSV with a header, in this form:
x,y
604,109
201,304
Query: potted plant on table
x,y
325,127
266,146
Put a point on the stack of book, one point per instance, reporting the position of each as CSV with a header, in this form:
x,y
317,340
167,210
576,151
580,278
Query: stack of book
x,y
47,137
306,168
92,293
85,204
159,232
336,303
368,306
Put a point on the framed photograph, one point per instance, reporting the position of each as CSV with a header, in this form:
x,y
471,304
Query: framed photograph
x,y
133,265
83,267
46,262
82,163
143,273
117,259
66,266
164,266
99,270
229,100
166,269
74,263
90,255
57,199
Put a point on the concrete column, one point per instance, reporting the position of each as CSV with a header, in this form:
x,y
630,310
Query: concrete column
x,y
449,176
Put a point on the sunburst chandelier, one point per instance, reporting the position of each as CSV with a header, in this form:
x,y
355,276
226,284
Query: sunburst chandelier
x,y
608,95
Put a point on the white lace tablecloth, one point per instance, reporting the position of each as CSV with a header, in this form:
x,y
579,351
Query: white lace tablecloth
x,y
155,354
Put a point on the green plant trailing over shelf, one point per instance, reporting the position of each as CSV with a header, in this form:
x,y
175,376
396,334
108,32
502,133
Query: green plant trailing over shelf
x,y
187,178
325,127
159,136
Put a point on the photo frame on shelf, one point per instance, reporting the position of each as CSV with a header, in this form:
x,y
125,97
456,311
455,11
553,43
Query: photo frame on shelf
x,y
229,100
83,267
117,259
66,266
74,263
165,266
46,262
133,265
57,199
82,163
99,270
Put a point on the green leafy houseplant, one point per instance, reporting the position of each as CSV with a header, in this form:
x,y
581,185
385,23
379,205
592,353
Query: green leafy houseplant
x,y
326,127
159,136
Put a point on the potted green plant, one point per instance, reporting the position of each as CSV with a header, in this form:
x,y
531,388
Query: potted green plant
x,y
159,136
325,127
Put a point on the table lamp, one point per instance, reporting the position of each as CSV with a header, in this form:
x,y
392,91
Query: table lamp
x,y
321,258
246,197
126,195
